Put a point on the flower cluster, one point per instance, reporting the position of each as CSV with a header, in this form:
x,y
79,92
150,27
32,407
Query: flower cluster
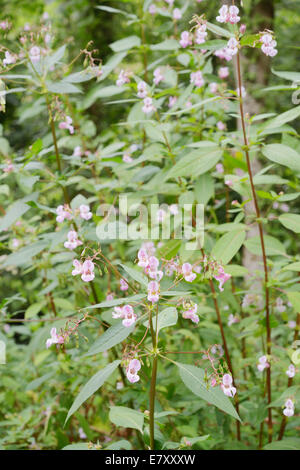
x,y
268,45
65,212
228,14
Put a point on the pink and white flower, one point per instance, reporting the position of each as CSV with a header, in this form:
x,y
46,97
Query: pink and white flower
x,y
200,36
142,89
148,107
153,291
232,319
227,386
88,271
228,14
63,212
127,313
268,45
73,241
77,267
54,339
289,408
132,370
85,212
123,285
123,78
9,59
263,363
187,271
67,124
197,79
291,372
185,39
177,15
158,77
191,311
223,72
35,54
222,277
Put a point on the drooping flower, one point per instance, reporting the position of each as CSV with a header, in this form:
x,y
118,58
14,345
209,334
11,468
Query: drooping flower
x,y
35,54
129,316
289,408
232,46
153,291
221,277
143,258
9,59
148,105
291,371
67,124
200,36
72,241
88,271
142,89
262,363
158,77
187,271
152,269
223,54
123,285
191,311
77,267
177,15
227,386
123,78
228,14
197,79
185,39
223,72
63,212
54,339
85,212
132,370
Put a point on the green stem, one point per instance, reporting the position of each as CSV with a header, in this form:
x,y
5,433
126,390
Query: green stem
x,y
153,382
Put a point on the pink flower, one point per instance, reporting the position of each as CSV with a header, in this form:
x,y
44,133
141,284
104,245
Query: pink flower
x,y
227,386
63,212
291,371
153,291
132,370
34,54
142,89
228,15
190,313
77,151
122,78
201,34
152,9
127,158
242,28
289,408
280,307
173,209
243,92
77,267
129,316
219,168
4,25
9,59
197,79
223,54
187,272
185,39
110,296
222,277
158,77
85,212
292,324
232,319
54,339
213,87
123,285
148,105
143,258
232,46
67,124
172,101
263,363
72,241
221,126
223,72
152,269
229,182
177,15
88,271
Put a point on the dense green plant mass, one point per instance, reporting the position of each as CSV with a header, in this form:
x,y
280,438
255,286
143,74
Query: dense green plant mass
x,y
150,161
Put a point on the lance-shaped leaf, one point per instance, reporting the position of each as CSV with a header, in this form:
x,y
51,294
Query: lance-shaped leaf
x,y
92,386
228,245
283,155
193,378
126,417
114,335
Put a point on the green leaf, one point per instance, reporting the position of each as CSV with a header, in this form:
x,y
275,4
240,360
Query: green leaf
x,y
25,254
195,163
283,155
292,267
125,44
126,417
114,335
193,379
204,188
167,45
55,57
290,221
62,87
273,246
283,118
228,245
16,210
101,92
114,302
92,386
289,443
34,309
168,317
291,76
294,298
218,30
